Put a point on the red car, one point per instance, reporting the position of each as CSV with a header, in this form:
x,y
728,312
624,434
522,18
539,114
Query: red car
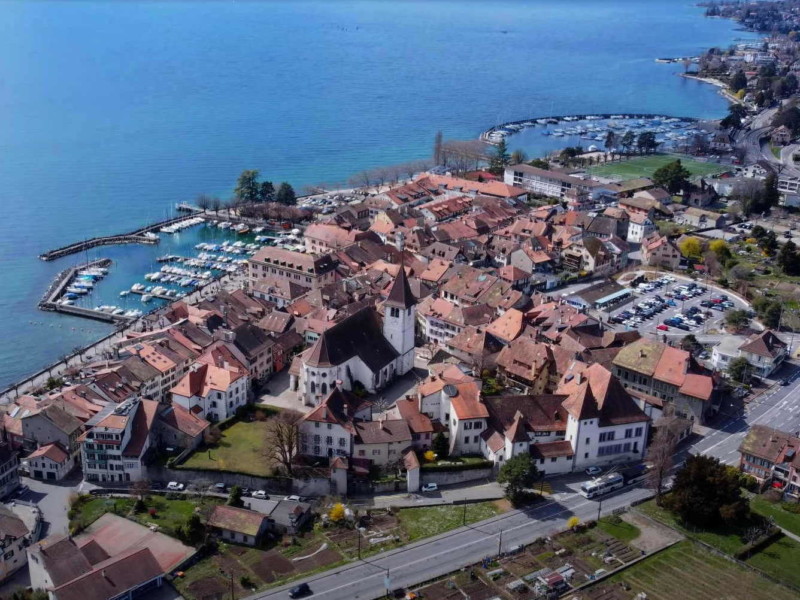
x,y
662,327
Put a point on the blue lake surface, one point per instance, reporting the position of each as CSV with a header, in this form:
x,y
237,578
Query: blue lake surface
x,y
111,112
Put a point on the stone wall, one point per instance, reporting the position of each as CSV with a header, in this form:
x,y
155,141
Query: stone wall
x,y
456,476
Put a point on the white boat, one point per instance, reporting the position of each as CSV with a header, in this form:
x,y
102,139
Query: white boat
x,y
124,293
147,298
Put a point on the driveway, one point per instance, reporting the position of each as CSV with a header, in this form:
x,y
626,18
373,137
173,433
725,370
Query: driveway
x,y
52,498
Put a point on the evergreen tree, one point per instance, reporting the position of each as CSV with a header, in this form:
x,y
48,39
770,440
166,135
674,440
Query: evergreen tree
x,y
788,260
672,176
738,81
247,187
500,159
266,192
772,196
627,140
611,140
286,195
440,446
517,474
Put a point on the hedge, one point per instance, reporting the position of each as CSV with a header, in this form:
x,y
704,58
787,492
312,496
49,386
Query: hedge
x,y
751,548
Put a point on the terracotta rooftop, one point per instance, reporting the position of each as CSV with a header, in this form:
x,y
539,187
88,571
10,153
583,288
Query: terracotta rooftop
x,y
240,520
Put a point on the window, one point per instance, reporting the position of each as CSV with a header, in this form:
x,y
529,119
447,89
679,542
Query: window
x,y
628,433
478,425
330,426
607,436
329,440
316,425
639,432
376,453
554,459
587,441
342,441
8,555
394,312
362,453
466,439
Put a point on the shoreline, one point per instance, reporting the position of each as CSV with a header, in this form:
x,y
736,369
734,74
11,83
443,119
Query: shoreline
x,y
64,362
723,88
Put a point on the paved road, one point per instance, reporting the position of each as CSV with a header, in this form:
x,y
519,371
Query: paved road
x,y
445,553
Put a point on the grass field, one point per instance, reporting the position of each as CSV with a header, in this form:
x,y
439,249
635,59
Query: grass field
x,y
779,559
687,571
622,530
426,521
645,166
783,518
240,450
168,513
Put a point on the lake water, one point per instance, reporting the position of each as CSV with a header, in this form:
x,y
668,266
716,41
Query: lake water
x,y
111,112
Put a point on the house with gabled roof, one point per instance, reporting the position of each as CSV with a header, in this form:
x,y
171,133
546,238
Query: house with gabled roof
x,y
238,525
328,429
49,462
765,351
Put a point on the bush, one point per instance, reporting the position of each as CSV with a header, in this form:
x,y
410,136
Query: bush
x,y
245,581
792,507
139,506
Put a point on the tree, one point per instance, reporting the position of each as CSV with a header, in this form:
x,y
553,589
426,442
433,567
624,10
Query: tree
x,y
758,232
517,474
733,120
247,187
646,142
721,249
788,259
611,140
627,140
673,176
737,319
518,157
689,342
286,195
266,192
738,81
215,204
440,446
235,496
540,163
500,159
691,247
790,117
283,439
194,531
429,456
336,513
141,488
660,455
573,522
739,369
768,243
706,493
772,196
437,148
203,202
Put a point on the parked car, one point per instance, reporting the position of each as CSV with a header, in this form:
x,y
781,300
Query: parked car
x,y
300,591
220,487
175,486
292,498
662,327
430,487
593,471
261,494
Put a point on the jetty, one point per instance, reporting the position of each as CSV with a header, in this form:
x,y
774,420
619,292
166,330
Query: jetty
x,y
49,301
143,235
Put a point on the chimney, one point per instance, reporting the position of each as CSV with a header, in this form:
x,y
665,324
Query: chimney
x,y
641,353
346,409
556,416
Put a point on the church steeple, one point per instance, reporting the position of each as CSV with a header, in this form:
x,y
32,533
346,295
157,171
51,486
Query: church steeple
x,y
400,295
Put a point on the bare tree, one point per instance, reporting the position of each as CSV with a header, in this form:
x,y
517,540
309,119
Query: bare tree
x,y
283,439
203,202
215,204
141,488
212,435
660,455
362,180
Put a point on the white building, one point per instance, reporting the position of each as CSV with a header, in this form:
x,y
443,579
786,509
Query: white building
x,y
328,430
212,392
362,349
50,462
115,447
639,227
14,538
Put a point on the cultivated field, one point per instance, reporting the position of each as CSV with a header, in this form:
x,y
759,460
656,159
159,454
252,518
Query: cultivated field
x,y
686,570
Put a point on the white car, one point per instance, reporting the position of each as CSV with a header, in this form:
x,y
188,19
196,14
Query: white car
x,y
593,471
430,487
175,486
260,494
292,498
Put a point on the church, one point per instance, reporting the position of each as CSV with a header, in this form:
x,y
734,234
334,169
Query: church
x,y
362,348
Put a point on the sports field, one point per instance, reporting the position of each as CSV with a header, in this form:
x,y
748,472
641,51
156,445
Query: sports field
x,y
645,166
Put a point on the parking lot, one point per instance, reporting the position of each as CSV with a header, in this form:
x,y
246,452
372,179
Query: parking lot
x,y
672,306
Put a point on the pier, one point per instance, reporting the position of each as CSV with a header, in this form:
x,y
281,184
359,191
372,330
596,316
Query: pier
x,y
49,301
144,235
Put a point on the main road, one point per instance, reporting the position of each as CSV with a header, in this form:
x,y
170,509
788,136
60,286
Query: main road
x,y
437,556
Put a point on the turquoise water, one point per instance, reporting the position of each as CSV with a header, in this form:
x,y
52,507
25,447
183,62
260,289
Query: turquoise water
x,y
111,112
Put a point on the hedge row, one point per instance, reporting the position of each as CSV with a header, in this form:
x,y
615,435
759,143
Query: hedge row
x,y
756,545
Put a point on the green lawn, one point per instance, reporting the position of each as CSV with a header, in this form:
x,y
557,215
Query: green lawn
x,y
168,513
783,518
686,570
780,559
645,166
427,521
727,539
240,450
622,530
